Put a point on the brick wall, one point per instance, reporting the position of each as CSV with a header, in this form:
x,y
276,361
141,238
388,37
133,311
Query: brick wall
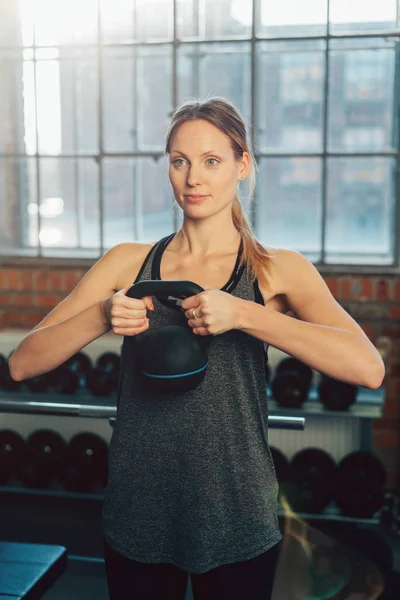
x,y
374,302
28,294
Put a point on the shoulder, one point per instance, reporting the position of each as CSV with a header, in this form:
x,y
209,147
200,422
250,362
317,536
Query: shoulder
x,y
286,268
129,249
285,259
127,258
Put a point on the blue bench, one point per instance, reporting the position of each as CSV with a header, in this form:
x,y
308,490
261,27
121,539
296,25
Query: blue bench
x,y
27,571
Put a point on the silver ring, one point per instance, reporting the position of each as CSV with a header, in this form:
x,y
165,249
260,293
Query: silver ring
x,y
194,315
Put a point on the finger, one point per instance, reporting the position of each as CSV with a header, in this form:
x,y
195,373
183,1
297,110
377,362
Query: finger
x,y
123,291
195,322
201,331
128,323
132,303
148,302
128,313
190,302
131,331
189,314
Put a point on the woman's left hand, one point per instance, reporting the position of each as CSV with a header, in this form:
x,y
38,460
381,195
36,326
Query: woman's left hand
x,y
212,312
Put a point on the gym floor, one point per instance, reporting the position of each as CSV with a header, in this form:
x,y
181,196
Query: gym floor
x,y
85,580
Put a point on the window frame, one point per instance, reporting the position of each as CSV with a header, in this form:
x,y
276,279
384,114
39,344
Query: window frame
x,y
255,39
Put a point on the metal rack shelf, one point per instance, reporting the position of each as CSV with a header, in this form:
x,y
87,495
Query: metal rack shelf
x,y
55,493
369,405
331,513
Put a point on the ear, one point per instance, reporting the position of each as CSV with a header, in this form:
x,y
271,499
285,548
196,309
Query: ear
x,y
245,163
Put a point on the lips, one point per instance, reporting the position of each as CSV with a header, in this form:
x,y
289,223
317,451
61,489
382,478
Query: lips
x,y
194,197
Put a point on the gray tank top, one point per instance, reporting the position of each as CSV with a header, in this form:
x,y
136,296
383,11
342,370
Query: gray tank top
x,y
191,477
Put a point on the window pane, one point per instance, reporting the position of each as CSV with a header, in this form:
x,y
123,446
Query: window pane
x,y
360,212
16,77
60,22
126,21
48,100
361,96
69,207
358,15
209,19
289,204
154,20
18,228
247,202
292,18
26,20
117,21
290,95
153,96
216,70
67,102
138,201
137,85
11,28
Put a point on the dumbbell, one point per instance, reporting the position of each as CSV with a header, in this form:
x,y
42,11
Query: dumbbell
x,y
281,464
65,379
389,511
3,362
85,466
309,480
102,380
291,384
43,452
335,394
59,380
11,451
359,483
81,365
40,384
6,382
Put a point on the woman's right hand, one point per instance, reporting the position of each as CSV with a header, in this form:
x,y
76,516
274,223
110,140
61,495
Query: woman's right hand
x,y
127,316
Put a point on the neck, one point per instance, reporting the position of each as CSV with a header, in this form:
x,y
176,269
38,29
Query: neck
x,y
202,238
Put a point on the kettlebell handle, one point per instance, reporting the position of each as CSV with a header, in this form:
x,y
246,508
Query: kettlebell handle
x,y
179,289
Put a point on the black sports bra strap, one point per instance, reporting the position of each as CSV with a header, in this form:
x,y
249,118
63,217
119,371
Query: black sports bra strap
x,y
228,287
146,260
257,294
161,245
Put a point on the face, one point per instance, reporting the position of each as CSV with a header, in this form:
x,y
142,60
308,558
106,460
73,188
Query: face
x,y
203,170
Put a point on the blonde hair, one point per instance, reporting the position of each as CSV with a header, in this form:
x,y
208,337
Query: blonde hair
x,y
222,114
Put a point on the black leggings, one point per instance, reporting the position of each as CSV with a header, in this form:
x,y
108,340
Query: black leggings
x,y
131,580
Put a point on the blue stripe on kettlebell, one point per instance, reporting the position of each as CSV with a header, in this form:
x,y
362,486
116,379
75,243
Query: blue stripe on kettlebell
x,y
175,376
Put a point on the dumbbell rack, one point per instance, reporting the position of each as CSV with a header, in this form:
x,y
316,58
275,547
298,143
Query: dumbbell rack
x,y
369,406
355,423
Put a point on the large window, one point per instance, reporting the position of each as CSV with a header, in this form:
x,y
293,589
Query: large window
x,y
87,89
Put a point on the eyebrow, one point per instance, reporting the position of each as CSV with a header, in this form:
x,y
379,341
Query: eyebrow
x,y
183,154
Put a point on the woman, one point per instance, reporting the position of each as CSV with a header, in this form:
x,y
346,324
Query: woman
x,y
192,487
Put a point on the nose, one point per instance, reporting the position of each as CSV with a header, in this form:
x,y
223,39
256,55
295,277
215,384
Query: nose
x,y
193,176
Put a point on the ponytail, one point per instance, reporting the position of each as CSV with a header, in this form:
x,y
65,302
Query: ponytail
x,y
255,255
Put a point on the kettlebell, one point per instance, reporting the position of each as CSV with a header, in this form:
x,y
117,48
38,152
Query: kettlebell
x,y
171,359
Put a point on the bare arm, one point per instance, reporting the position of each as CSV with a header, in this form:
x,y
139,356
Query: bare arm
x,y
77,320
324,335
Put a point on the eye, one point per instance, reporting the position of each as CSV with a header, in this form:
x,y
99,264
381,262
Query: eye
x,y
177,161
216,161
